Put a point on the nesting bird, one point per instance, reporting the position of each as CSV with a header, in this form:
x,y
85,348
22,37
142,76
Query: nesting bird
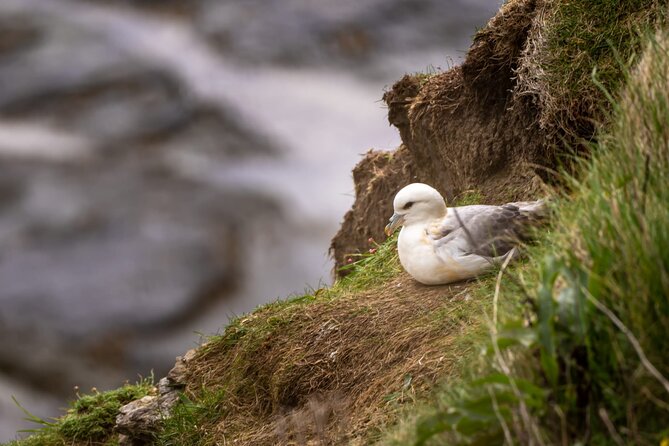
x,y
438,244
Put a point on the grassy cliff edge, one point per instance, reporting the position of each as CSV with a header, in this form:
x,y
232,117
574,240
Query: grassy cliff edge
x,y
565,347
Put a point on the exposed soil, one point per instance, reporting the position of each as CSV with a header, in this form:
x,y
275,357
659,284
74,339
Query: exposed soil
x,y
463,129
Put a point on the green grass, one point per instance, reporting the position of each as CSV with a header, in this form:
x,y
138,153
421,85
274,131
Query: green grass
x,y
570,371
580,36
188,424
88,421
615,242
468,197
380,264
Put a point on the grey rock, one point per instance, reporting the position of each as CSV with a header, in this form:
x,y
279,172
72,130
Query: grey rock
x,y
139,420
139,417
176,377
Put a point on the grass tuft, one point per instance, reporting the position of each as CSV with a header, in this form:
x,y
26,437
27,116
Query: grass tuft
x,y
89,420
571,39
380,264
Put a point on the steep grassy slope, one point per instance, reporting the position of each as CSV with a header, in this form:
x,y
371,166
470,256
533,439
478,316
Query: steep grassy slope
x,y
590,365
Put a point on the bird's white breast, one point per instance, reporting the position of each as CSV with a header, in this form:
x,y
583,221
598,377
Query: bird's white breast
x,y
419,257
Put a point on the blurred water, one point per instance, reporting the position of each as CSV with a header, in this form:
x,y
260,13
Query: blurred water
x,y
295,87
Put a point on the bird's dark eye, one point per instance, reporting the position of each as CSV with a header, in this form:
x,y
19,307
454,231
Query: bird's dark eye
x,y
408,205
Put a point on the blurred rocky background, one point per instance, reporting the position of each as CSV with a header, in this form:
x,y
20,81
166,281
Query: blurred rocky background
x,y
168,164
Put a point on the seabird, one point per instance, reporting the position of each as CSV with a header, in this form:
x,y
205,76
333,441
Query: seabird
x,y
438,244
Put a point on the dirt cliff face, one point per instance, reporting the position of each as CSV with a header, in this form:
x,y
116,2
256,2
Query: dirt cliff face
x,y
463,129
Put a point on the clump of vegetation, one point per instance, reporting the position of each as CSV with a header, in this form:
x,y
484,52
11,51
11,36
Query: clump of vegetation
x,y
89,420
379,264
468,197
612,278
569,40
424,76
589,364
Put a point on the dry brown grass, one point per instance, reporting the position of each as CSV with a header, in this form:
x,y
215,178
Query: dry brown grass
x,y
334,370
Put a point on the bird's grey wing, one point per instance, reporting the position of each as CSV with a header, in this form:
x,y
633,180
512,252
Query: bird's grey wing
x,y
455,218
494,231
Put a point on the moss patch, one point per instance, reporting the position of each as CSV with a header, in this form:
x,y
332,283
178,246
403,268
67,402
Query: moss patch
x,y
89,420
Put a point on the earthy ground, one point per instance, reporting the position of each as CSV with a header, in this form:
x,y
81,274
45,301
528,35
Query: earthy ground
x,y
334,369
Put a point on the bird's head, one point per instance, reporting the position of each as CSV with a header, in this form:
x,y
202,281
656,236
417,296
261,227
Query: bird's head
x,y
416,202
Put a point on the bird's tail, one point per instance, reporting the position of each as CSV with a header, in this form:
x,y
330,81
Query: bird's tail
x,y
536,210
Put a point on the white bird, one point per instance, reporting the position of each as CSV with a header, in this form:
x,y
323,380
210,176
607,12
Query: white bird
x,y
438,244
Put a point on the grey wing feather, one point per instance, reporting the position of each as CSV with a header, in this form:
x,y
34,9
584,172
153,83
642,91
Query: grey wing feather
x,y
495,233
488,231
456,217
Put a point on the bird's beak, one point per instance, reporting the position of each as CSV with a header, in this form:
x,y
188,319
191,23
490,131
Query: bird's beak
x,y
395,221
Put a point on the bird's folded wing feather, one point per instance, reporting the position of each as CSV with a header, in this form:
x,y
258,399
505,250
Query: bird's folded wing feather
x,y
488,231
